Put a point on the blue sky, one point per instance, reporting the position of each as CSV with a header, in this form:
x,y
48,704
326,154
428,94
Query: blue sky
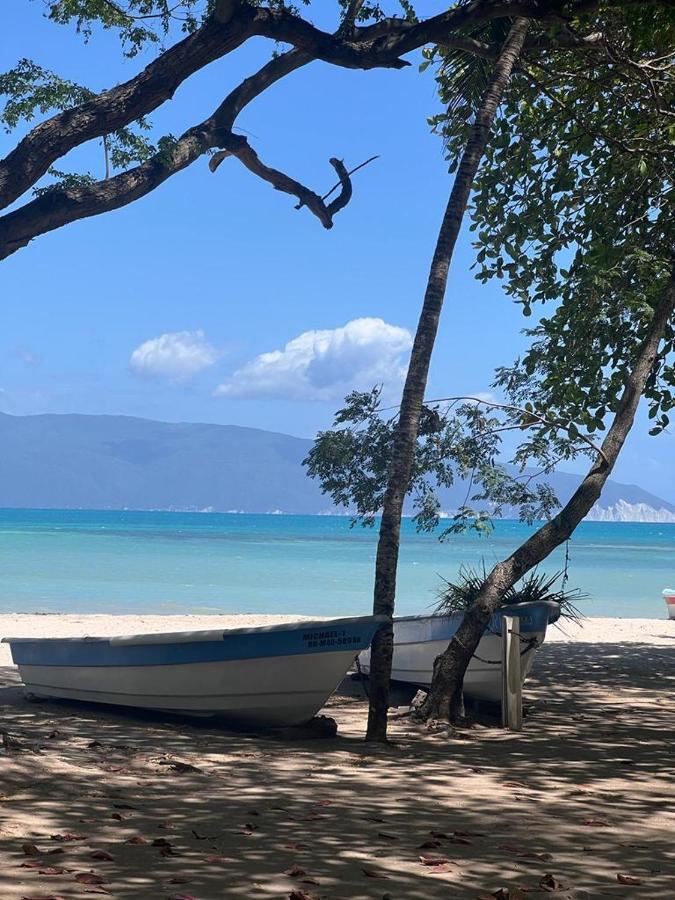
x,y
164,309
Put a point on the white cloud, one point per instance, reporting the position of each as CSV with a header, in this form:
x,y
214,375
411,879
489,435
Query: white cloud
x,y
325,365
176,355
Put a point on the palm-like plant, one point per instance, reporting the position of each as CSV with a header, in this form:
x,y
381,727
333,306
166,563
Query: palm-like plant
x,y
458,596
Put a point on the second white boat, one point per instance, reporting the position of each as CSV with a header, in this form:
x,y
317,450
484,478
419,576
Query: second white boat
x,y
418,640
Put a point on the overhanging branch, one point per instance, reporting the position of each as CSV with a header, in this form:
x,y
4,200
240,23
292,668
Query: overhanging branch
x,y
232,23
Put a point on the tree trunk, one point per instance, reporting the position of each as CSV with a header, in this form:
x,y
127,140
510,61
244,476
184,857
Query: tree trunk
x,y
445,696
416,381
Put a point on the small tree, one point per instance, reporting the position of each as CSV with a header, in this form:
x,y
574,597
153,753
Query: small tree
x,y
566,184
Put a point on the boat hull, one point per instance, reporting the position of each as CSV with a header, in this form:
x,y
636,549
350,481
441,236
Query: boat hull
x,y
419,640
275,676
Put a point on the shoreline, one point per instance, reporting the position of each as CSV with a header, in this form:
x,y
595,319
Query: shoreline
x,y
592,630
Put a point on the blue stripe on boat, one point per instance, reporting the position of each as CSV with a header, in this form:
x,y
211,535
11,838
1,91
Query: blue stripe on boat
x,y
306,638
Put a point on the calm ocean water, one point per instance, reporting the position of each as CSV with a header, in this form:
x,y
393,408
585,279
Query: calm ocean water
x,y
165,562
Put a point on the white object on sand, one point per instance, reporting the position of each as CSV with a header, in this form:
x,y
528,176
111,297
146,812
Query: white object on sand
x,y
669,597
272,675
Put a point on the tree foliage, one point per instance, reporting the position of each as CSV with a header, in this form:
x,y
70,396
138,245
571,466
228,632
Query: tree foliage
x,y
574,210
184,36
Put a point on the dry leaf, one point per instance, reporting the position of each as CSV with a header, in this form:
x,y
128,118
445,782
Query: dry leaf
x,y
295,871
51,870
137,839
42,897
30,849
628,879
550,883
180,768
429,859
103,855
90,878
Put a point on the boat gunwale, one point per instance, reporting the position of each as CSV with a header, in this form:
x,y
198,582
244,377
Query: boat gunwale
x,y
206,635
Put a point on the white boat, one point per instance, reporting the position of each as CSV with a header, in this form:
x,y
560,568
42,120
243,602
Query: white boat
x,y
669,597
418,640
274,675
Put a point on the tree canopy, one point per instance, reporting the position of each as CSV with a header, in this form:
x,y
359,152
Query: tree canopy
x,y
186,36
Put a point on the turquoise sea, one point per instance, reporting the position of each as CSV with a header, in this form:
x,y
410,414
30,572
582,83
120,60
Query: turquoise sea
x,y
175,562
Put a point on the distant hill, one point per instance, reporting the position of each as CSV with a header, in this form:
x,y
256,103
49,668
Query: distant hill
x,y
118,462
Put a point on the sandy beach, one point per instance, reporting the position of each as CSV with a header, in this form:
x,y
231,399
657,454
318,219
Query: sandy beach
x,y
579,804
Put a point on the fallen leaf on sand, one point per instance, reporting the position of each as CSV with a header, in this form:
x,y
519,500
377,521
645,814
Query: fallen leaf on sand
x,y
103,855
51,870
295,871
30,849
628,879
299,895
137,839
182,897
118,816
67,836
42,897
550,883
180,768
30,865
514,893
428,859
522,853
373,873
90,878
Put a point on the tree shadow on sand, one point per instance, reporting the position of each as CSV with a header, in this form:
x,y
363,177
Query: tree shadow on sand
x,y
581,796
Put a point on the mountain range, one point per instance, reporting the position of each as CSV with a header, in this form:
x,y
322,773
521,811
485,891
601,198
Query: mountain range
x,y
121,462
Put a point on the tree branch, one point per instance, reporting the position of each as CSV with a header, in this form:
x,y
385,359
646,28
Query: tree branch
x,y
232,23
59,207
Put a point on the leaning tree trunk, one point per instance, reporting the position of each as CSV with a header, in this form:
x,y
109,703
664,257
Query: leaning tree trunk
x,y
416,381
444,700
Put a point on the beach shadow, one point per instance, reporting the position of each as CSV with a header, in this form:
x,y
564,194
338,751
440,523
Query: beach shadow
x,y
582,795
